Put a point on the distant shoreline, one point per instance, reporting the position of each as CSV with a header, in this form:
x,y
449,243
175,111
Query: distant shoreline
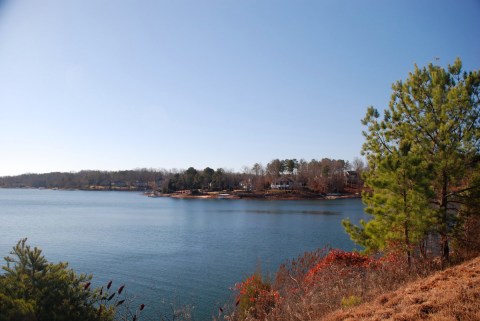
x,y
287,195
268,196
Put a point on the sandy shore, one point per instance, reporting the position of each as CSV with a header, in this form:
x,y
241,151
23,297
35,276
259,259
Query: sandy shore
x,y
261,196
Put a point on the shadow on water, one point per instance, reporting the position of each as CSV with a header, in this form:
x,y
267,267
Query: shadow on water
x,y
281,212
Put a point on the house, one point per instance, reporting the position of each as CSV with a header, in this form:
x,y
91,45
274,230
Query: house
x,y
282,183
247,185
119,184
351,178
141,185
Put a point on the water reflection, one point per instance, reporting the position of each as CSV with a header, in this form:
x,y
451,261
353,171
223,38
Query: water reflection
x,y
276,211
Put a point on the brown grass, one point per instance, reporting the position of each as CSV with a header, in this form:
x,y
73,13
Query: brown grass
x,y
339,285
320,282
453,294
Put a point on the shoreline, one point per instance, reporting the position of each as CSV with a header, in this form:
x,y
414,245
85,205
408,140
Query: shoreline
x,y
267,196
288,196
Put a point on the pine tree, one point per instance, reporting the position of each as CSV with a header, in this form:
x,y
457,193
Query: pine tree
x,y
32,289
399,201
436,114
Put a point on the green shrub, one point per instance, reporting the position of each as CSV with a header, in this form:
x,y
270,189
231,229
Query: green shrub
x,y
351,301
32,289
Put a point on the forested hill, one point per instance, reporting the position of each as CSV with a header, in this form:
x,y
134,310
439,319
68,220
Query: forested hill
x,y
319,176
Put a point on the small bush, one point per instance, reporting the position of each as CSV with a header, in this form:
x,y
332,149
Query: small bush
x,y
255,297
33,289
351,301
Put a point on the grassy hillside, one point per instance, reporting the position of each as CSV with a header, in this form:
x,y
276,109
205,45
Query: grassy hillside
x,y
453,294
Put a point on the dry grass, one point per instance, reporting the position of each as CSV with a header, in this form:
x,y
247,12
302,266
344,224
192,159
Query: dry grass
x,y
320,282
453,294
337,285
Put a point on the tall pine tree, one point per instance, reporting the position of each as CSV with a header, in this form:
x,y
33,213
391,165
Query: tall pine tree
x,y
399,201
430,136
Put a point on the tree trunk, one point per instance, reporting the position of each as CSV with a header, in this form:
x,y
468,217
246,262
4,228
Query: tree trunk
x,y
406,231
444,247
407,244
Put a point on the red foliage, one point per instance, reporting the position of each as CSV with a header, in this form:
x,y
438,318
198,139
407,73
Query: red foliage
x,y
255,296
323,278
343,262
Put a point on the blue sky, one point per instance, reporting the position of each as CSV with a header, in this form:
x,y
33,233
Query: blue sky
x,y
103,84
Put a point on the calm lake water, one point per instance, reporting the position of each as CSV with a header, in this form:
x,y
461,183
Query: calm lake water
x,y
170,250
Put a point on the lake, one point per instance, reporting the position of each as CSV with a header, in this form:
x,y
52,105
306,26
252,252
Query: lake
x,y
181,251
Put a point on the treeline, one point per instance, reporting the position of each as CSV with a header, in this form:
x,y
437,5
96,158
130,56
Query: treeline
x,y
86,179
319,176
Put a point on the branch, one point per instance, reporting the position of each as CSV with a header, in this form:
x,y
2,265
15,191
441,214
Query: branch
x,y
462,191
409,114
382,141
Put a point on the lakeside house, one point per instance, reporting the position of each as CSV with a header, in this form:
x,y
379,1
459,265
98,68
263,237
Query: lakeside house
x,y
120,184
352,178
247,185
282,183
141,185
